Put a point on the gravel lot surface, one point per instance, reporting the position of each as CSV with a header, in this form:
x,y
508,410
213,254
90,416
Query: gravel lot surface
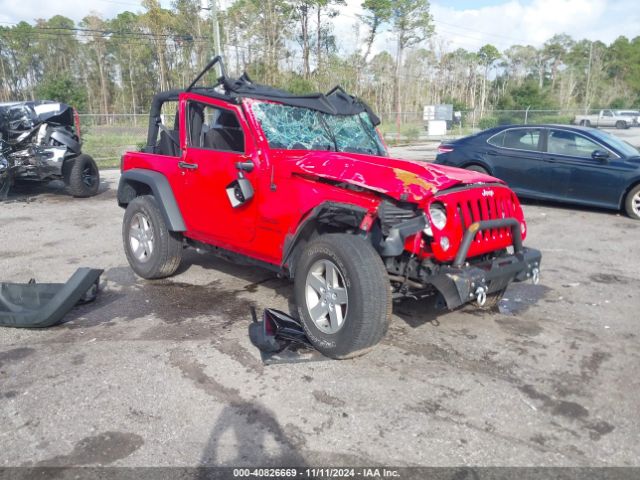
x,y
163,373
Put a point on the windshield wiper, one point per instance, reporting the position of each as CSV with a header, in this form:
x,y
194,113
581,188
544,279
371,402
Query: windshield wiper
x,y
328,131
366,130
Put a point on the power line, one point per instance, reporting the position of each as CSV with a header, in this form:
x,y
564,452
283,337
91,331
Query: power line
x,y
481,32
471,30
169,35
121,3
141,38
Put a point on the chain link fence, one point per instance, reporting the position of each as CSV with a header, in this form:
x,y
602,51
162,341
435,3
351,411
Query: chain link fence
x,y
414,128
107,137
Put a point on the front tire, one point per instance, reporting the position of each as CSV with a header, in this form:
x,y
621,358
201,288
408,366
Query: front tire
x,y
83,178
632,203
343,295
477,168
151,249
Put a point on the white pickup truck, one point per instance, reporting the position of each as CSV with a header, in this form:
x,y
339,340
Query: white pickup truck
x,y
606,118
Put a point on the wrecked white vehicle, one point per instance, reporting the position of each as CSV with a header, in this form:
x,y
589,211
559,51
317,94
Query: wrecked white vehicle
x,y
40,141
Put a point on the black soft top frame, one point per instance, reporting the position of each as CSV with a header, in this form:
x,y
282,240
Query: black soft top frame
x,y
336,102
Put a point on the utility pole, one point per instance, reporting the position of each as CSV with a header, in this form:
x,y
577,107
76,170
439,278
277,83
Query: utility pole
x,y
217,48
586,93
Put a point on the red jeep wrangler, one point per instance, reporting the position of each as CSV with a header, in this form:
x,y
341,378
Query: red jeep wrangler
x,y
303,185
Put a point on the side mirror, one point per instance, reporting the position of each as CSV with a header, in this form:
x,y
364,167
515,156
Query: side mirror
x,y
240,191
600,155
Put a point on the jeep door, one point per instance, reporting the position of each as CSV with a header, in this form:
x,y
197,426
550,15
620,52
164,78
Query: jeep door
x,y
217,139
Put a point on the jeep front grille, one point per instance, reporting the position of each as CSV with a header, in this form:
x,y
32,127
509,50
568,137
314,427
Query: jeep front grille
x,y
484,206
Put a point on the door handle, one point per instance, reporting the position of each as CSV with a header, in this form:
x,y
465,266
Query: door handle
x,y
491,152
188,166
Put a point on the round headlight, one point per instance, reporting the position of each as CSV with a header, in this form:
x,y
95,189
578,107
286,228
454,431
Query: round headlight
x,y
427,230
438,215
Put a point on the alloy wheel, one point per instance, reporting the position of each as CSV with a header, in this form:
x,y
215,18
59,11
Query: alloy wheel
x,y
635,204
326,296
141,238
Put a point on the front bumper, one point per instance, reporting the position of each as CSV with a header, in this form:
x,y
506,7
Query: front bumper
x,y
459,285
463,282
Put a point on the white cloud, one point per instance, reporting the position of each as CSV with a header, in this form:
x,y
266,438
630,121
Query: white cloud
x,y
13,11
514,22
520,22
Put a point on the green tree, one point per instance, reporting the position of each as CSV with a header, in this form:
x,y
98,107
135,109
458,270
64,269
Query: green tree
x,y
555,51
63,89
527,95
376,14
96,56
132,52
324,40
487,56
411,24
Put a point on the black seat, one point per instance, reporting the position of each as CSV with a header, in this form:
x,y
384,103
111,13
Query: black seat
x,y
196,122
169,140
229,129
215,140
169,143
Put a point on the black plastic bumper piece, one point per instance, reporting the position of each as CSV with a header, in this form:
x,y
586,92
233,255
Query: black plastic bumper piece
x,y
39,305
459,284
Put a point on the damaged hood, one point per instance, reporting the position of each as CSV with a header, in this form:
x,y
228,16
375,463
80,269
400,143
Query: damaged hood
x,y
404,180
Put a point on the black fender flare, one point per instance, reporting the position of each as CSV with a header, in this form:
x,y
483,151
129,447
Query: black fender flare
x,y
161,190
341,215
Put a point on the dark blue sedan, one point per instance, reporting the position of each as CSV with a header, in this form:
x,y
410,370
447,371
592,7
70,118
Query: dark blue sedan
x,y
554,162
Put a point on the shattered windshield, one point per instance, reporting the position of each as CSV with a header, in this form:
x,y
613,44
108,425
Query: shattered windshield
x,y
297,128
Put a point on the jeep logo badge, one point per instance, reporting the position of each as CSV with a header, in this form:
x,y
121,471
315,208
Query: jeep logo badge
x,y
487,193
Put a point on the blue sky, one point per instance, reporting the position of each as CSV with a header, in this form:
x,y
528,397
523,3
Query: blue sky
x,y
458,23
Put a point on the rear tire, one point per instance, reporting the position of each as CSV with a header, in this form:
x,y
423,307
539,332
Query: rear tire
x,y
477,168
83,178
345,313
621,124
585,123
632,203
151,249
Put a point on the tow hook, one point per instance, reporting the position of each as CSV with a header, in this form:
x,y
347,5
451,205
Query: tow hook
x,y
535,276
481,296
